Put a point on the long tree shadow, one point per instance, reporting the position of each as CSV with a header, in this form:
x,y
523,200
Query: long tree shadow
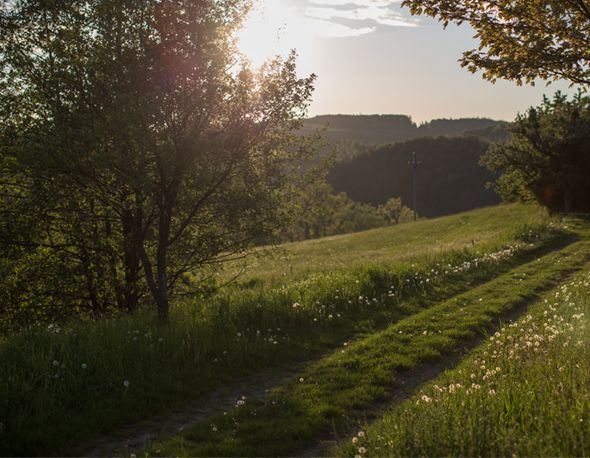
x,y
134,437
407,382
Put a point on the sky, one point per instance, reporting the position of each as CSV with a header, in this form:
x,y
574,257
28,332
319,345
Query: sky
x,y
373,57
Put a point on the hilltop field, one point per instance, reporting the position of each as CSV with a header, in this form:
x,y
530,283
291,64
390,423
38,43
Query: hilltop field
x,y
464,335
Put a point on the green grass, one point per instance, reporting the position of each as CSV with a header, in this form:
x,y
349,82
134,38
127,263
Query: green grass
x,y
384,246
335,393
525,392
63,385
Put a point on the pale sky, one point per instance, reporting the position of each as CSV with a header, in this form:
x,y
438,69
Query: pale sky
x,y
372,56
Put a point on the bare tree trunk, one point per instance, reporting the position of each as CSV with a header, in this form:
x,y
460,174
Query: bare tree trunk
x,y
161,264
90,284
567,201
131,263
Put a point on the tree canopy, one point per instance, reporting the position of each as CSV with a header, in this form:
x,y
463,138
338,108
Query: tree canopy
x,y
521,40
547,158
147,145
450,178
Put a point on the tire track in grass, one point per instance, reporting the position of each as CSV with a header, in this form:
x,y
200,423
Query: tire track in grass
x,y
140,434
136,436
523,392
334,395
407,383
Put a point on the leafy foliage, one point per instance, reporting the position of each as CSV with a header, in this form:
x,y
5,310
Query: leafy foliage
x,y
147,145
520,40
547,158
322,213
450,178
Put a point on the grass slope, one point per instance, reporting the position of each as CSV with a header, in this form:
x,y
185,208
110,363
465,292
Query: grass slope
x,y
525,392
399,244
65,384
337,391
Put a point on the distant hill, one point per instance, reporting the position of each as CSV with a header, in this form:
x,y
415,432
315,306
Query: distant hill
x,y
386,129
450,179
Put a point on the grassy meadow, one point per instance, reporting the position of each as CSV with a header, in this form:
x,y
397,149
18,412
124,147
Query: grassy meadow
x,y
335,393
524,392
361,311
382,246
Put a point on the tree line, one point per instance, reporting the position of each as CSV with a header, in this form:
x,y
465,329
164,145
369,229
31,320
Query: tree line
x,y
137,146
450,178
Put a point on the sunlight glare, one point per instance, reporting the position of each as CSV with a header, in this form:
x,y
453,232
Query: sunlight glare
x,y
273,28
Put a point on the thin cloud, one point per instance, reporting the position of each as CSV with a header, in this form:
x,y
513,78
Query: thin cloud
x,y
332,29
355,2
372,13
378,15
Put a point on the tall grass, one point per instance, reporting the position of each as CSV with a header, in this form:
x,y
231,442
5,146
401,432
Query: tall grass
x,y
405,243
337,390
526,392
63,384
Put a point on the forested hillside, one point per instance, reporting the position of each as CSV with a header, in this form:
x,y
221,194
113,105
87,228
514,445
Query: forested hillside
x,y
450,178
383,129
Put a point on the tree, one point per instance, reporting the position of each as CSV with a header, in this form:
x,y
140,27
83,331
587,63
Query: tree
x,y
521,40
394,212
548,157
146,114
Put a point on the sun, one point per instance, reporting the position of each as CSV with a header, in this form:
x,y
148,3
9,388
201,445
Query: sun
x,y
272,28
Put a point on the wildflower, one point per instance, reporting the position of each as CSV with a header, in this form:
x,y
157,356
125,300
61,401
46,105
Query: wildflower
x,y
53,327
355,440
126,383
55,362
301,380
362,450
296,305
84,366
361,434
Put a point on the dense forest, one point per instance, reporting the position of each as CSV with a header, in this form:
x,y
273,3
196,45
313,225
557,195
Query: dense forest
x,y
450,177
385,129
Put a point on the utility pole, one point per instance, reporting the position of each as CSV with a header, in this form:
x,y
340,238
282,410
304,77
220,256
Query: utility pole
x,y
414,163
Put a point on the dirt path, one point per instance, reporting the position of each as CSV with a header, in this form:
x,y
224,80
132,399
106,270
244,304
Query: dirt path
x,y
134,437
407,383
